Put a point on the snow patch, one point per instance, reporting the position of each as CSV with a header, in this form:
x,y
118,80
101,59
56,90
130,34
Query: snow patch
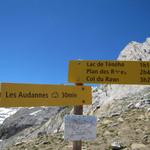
x,y
6,112
35,113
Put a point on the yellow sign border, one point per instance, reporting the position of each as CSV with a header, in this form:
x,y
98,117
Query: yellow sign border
x,y
109,72
41,95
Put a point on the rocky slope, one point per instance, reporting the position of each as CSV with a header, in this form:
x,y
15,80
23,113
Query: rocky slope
x,y
122,112
28,123
128,130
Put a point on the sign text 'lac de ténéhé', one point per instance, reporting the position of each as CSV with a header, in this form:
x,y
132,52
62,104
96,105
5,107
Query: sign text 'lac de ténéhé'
x,y
109,72
28,95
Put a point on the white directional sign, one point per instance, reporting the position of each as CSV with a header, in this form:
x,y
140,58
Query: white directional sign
x,y
79,127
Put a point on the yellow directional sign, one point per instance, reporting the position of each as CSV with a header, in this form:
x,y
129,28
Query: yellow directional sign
x,y
109,72
28,95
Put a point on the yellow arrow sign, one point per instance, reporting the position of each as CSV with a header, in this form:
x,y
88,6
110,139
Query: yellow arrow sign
x,y
109,72
28,95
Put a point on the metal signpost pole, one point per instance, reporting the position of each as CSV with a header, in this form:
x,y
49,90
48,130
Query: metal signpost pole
x,y
78,110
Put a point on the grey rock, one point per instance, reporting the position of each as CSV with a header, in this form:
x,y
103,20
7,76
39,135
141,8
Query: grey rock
x,y
131,106
147,101
116,145
148,110
138,146
115,114
138,105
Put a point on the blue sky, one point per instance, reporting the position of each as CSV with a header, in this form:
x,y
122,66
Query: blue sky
x,y
39,37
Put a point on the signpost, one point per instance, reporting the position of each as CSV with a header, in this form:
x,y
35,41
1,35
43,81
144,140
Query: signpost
x,y
79,127
109,72
29,95
78,110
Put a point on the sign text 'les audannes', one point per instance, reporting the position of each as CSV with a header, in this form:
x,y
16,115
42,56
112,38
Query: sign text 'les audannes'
x,y
28,95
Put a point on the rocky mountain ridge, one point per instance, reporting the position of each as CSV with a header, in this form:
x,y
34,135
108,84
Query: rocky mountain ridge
x,y
106,94
113,105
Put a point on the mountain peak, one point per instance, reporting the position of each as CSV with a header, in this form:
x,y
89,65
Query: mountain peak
x,y
136,51
148,41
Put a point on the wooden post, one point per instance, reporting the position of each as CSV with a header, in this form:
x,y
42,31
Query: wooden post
x,y
78,110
